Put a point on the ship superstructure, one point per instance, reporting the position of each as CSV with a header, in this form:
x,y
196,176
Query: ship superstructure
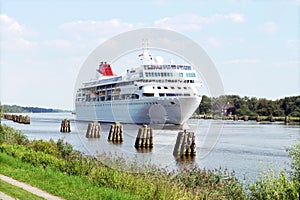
x,y
150,93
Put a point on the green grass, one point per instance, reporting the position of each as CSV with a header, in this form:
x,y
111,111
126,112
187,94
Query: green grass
x,y
16,192
57,183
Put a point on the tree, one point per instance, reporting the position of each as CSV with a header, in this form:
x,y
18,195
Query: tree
x,y
205,105
1,113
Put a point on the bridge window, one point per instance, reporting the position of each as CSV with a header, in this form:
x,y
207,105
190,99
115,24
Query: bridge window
x,y
148,94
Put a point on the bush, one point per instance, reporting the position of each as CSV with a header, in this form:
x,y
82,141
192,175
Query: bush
x,y
294,153
10,136
44,146
215,184
36,158
64,148
271,186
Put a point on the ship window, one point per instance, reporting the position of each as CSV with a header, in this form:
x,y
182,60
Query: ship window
x,y
180,74
187,94
179,88
161,94
134,96
158,87
185,88
170,94
148,94
172,88
165,87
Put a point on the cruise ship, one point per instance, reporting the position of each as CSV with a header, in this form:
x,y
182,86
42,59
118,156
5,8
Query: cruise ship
x,y
153,92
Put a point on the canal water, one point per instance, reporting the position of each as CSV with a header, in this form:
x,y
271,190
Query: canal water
x,y
248,148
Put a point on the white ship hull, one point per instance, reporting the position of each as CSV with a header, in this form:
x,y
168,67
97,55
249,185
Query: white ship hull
x,y
173,110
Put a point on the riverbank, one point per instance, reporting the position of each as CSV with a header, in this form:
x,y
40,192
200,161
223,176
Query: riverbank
x,y
59,158
237,147
156,184
284,119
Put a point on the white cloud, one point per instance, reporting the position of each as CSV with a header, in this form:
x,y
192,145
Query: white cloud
x,y
58,43
95,28
269,27
215,42
14,35
190,22
241,61
287,63
180,22
293,43
219,42
10,25
237,18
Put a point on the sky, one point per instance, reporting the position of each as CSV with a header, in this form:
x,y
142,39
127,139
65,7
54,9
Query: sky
x,y
255,45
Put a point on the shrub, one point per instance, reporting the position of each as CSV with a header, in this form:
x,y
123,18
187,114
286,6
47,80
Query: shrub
x,y
215,184
271,186
44,146
36,158
64,148
10,136
294,153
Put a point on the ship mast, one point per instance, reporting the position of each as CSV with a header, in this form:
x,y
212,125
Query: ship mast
x,y
145,56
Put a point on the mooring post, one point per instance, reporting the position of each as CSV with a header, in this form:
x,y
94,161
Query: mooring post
x,y
185,144
286,120
258,119
65,126
116,133
144,138
93,130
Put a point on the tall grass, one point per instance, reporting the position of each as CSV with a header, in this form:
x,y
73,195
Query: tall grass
x,y
16,192
57,183
157,184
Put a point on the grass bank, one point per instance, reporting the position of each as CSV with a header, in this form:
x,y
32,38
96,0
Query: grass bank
x,y
16,192
53,181
56,168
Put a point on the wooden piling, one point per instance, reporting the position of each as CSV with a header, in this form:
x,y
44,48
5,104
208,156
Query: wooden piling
x,y
17,118
272,119
185,144
116,133
65,126
144,138
27,120
258,118
286,120
246,118
93,130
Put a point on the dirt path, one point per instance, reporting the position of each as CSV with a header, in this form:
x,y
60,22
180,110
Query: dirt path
x,y
5,196
28,188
